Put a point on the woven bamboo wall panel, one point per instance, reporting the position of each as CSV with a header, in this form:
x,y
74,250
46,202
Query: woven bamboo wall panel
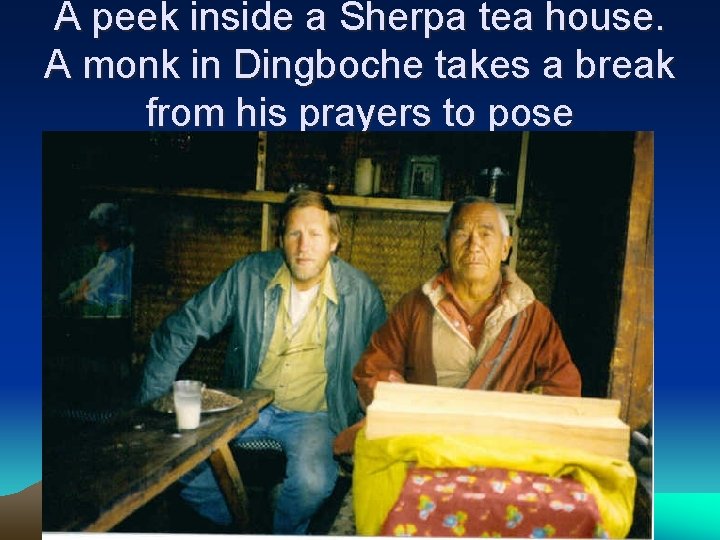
x,y
182,246
537,255
398,251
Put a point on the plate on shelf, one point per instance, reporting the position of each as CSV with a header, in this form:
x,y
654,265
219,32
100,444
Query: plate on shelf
x,y
212,401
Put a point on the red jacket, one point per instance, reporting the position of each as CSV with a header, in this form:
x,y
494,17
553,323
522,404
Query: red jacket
x,y
525,349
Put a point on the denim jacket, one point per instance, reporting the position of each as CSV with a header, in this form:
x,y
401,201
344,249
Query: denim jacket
x,y
239,297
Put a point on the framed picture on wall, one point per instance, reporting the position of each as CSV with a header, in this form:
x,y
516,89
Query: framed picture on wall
x,y
421,178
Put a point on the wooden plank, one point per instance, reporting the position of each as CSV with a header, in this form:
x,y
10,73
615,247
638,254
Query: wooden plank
x,y
459,400
522,172
277,197
366,203
608,437
519,197
640,402
530,417
266,242
266,236
376,203
392,204
271,197
631,365
261,161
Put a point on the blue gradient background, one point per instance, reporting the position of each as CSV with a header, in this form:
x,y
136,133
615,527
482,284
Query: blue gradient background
x,y
683,113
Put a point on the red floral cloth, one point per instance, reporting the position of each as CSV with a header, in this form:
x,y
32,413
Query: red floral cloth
x,y
492,502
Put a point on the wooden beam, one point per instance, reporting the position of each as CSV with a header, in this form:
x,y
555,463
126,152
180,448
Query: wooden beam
x,y
519,197
266,237
631,365
261,161
231,484
450,399
265,212
584,424
277,197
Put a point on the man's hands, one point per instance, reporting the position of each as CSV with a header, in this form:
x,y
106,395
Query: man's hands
x,y
344,443
393,376
386,375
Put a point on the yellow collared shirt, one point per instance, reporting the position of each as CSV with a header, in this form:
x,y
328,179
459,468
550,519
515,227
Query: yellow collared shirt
x,y
294,367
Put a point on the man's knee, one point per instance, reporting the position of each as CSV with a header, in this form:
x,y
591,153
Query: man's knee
x,y
318,486
315,479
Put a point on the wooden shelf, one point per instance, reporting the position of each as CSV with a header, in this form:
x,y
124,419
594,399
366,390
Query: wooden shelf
x,y
277,197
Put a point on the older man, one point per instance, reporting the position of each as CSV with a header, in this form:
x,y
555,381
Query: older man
x,y
475,324
300,319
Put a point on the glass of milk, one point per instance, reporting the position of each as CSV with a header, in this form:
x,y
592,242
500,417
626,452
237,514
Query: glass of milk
x,y
187,396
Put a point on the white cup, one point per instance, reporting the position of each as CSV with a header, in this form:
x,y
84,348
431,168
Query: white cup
x,y
187,396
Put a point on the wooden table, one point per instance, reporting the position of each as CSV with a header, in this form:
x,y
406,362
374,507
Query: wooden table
x,y
95,475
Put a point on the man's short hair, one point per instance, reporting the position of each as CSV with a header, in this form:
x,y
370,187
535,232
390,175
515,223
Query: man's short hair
x,y
304,198
474,199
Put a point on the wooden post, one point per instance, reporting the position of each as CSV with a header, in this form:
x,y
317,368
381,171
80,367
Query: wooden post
x,y
631,366
228,477
522,170
266,217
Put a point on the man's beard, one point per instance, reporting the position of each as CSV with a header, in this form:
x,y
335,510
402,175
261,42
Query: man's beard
x,y
303,273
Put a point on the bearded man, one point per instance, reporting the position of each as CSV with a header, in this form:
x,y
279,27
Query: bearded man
x,y
300,318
